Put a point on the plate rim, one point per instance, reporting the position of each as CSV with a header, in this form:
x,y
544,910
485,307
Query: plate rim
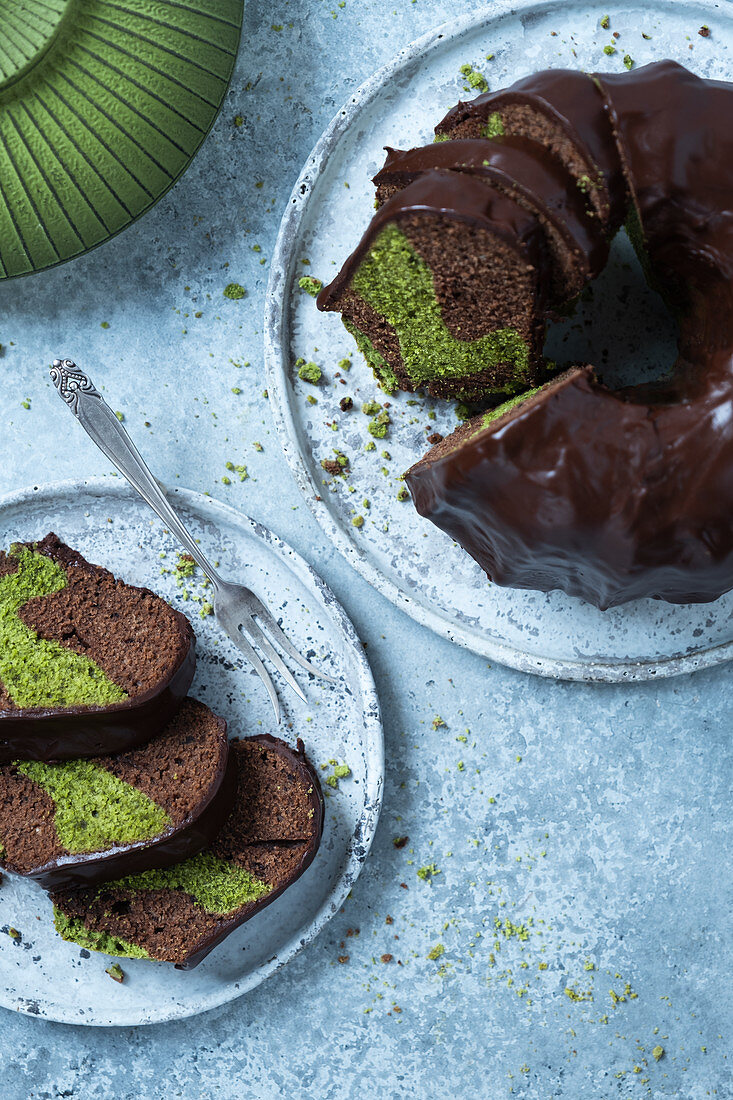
x,y
276,357
364,831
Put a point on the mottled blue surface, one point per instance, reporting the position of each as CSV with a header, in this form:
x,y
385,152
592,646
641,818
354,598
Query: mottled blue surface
x,y
579,836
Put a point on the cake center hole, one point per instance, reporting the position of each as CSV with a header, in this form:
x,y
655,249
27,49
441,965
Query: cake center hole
x,y
620,325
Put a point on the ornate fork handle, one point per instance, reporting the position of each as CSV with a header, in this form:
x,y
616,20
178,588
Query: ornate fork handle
x,y
101,424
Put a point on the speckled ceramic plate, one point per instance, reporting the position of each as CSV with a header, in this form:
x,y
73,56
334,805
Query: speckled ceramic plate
x,y
41,974
403,556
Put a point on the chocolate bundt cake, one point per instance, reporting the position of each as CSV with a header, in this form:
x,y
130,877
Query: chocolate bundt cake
x,y
607,495
88,665
178,915
86,821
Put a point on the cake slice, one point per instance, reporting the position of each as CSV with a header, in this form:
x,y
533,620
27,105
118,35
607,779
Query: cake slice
x,y
178,915
565,111
88,664
86,821
535,492
447,290
532,177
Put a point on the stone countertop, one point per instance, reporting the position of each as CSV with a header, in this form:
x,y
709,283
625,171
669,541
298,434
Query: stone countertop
x,y
560,913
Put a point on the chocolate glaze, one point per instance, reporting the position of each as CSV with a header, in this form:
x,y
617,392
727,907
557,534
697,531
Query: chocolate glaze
x,y
456,196
617,496
176,843
519,167
298,761
64,734
574,103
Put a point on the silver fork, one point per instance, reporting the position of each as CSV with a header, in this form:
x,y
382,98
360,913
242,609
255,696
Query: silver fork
x,y
238,611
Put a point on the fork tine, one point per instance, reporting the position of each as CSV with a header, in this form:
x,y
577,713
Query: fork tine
x,y
242,644
255,634
279,635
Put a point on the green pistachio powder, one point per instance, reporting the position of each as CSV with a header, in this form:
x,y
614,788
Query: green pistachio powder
x,y
398,284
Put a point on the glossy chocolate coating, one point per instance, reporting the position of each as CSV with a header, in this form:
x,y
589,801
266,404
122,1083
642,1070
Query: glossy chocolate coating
x,y
176,843
618,496
70,732
519,166
575,103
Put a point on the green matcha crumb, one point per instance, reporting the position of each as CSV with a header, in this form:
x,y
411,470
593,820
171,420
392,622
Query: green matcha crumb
x,y
441,137
370,445
463,412
658,1053
206,609
494,126
379,425
236,391
258,446
14,933
26,404
116,972
310,285
238,121
371,408
311,399
185,566
234,291
577,996
628,61
357,521
606,22
427,872
439,723
120,416
384,374
226,480
474,79
104,324
344,364
435,952
310,372
403,493
342,771
609,50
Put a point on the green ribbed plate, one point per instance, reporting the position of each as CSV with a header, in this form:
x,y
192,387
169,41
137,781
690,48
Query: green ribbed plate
x,y
103,103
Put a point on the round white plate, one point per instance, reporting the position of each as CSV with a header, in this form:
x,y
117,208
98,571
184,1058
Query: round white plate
x,y
402,555
40,973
